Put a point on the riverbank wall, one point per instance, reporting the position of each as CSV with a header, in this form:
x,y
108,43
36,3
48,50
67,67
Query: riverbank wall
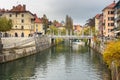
x,y
19,47
115,71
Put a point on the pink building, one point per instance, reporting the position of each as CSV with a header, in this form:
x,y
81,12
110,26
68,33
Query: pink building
x,y
108,19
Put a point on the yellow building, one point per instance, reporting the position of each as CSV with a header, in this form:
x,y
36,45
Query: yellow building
x,y
24,23
97,21
38,26
108,19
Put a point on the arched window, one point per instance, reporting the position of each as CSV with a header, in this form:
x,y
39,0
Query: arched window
x,y
16,35
22,34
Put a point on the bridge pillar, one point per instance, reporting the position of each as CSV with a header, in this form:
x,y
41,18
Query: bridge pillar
x,y
52,41
70,42
89,42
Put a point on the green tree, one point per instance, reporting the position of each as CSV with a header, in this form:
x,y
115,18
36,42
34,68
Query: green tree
x,y
45,23
5,25
91,22
52,29
55,30
69,24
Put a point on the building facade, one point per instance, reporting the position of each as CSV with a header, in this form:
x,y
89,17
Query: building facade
x,y
99,24
38,26
117,19
108,20
97,21
23,21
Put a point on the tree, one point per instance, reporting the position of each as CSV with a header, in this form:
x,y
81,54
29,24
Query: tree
x,y
112,53
45,23
111,56
69,24
5,25
91,22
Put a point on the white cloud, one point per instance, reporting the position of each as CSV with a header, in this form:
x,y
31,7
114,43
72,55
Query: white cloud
x,y
79,10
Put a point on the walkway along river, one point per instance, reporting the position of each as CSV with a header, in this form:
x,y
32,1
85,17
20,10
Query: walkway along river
x,y
57,63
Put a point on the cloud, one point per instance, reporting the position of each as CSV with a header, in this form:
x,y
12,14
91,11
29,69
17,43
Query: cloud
x,y
79,10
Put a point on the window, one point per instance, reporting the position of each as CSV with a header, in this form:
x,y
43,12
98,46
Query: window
x,y
10,15
110,12
15,26
16,15
22,15
22,21
110,18
36,25
110,24
22,27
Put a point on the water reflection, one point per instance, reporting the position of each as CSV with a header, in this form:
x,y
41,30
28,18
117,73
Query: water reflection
x,y
20,69
58,63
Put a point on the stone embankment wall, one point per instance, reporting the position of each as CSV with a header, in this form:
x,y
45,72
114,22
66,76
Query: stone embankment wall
x,y
99,48
115,71
42,43
15,48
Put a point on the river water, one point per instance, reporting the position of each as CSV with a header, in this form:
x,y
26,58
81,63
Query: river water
x,y
57,63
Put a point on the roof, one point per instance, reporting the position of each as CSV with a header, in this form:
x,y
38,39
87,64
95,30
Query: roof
x,y
117,4
111,6
37,20
58,24
16,9
97,16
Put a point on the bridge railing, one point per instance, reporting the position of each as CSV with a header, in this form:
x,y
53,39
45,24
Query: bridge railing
x,y
70,36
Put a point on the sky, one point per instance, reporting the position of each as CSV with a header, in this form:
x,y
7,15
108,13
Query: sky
x,y
79,10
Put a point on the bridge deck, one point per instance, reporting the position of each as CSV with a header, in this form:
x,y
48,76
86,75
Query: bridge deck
x,y
70,36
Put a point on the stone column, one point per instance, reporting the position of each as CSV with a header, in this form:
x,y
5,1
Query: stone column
x,y
1,45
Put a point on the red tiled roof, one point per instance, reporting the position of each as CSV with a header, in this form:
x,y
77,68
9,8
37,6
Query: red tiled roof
x,y
58,25
97,16
111,6
19,8
37,20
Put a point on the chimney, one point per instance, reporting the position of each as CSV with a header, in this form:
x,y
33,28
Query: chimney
x,y
24,7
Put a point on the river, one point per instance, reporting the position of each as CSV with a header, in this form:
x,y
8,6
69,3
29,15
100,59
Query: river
x,y
57,63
